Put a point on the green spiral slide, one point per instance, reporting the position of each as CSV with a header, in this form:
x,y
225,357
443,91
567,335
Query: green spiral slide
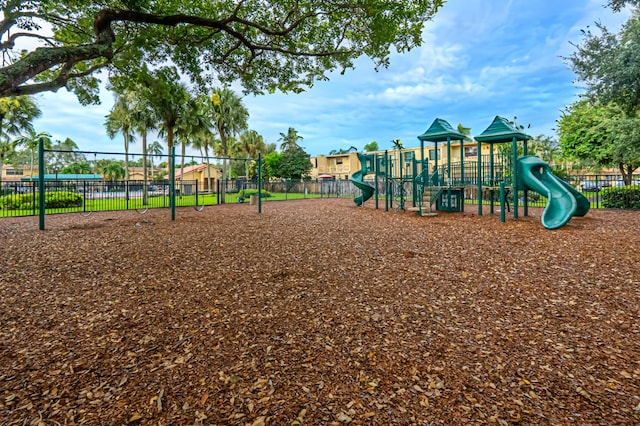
x,y
367,190
564,201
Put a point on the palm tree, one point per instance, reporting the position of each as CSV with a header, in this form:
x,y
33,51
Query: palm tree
x,y
16,116
192,121
290,140
113,171
155,150
31,141
464,130
167,98
143,119
230,117
119,120
6,148
202,140
77,168
251,144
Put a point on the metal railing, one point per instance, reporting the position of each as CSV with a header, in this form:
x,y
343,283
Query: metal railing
x,y
21,198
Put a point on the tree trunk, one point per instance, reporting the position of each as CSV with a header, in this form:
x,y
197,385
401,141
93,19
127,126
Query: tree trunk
x,y
627,173
182,152
30,167
126,162
170,146
206,153
223,143
1,166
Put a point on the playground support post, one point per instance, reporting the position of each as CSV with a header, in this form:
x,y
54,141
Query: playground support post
x,y
259,182
386,181
462,180
414,184
376,178
449,174
41,197
514,177
172,182
502,201
492,176
525,150
479,177
400,167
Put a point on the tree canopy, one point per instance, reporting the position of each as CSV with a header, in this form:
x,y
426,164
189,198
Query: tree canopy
x,y
602,133
371,146
608,64
619,4
266,45
603,126
290,139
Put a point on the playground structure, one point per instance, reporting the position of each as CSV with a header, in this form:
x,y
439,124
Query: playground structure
x,y
502,179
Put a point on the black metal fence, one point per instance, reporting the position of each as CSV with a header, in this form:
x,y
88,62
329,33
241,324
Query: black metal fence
x,y
84,196
22,198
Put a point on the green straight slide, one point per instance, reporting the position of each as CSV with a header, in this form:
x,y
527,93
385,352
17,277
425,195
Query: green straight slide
x,y
367,190
563,201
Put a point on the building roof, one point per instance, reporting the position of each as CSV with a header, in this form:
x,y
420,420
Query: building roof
x,y
65,176
191,169
441,131
502,130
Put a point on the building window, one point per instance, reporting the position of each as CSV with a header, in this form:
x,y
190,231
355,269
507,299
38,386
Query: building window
x,y
433,153
471,151
338,160
14,172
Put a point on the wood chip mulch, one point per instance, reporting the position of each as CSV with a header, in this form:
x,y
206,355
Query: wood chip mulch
x,y
317,312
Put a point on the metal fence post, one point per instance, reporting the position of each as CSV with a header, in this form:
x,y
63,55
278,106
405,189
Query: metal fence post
x,y
172,182
41,197
259,183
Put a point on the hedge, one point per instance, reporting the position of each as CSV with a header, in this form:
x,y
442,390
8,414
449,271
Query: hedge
x,y
52,200
624,197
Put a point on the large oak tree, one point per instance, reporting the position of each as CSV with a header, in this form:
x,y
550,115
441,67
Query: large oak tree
x,y
604,126
608,64
267,45
601,133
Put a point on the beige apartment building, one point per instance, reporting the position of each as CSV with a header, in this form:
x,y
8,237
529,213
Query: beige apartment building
x,y
206,179
15,173
342,166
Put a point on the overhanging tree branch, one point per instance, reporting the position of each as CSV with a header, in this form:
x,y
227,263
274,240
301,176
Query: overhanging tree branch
x,y
11,41
233,40
14,76
42,59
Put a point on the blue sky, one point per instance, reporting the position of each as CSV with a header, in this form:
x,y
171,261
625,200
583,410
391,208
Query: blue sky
x,y
480,58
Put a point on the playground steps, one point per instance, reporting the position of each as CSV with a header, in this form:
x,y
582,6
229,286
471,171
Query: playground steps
x,y
429,196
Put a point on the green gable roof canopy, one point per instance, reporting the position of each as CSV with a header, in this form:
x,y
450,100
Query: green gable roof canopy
x,y
501,130
441,131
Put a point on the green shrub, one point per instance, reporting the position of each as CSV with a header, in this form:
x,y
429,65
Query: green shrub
x,y
624,197
52,200
249,192
17,202
61,200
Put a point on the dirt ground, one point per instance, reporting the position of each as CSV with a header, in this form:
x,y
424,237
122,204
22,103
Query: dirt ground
x,y
317,313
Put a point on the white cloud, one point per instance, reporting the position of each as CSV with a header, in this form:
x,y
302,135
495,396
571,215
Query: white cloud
x,y
439,89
